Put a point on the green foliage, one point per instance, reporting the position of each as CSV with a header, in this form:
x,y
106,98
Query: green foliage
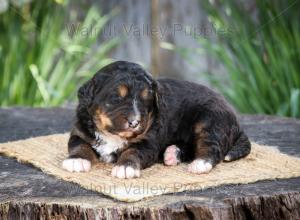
x,y
41,61
260,51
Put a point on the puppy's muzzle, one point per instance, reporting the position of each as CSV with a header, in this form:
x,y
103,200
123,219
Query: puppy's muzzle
x,y
133,123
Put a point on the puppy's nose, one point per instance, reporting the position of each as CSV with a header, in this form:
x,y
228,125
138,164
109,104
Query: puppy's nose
x,y
133,123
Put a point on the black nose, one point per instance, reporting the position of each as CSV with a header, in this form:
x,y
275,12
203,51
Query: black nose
x,y
133,123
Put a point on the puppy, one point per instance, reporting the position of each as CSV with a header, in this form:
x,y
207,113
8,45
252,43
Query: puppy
x,y
126,117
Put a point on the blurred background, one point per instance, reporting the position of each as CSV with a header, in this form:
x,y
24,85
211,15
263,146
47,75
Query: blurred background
x,y
247,50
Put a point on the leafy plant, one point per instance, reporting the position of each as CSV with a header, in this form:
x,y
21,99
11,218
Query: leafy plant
x,y
41,61
260,51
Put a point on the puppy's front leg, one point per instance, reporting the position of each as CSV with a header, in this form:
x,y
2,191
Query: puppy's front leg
x,y
136,157
80,156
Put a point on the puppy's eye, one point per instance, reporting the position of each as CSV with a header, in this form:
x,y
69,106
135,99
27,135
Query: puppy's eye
x,y
146,94
115,98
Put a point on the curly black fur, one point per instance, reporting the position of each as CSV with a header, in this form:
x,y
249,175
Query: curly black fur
x,y
191,116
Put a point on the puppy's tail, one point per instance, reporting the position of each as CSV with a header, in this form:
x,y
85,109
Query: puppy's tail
x,y
241,148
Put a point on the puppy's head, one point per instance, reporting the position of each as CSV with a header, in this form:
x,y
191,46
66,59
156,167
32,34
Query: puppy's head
x,y
125,99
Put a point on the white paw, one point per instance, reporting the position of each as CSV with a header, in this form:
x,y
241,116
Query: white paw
x,y
76,165
199,166
125,172
171,156
227,158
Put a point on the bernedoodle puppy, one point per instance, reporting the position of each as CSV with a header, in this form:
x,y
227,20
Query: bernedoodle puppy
x,y
126,117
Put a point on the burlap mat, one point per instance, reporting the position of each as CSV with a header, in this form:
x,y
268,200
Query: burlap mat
x,y
48,152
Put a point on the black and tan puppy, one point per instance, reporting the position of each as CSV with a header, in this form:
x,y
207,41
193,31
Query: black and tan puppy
x,y
126,117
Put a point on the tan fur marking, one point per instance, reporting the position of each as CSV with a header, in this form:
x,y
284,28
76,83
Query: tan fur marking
x,y
125,134
200,134
102,120
123,90
145,93
199,128
201,149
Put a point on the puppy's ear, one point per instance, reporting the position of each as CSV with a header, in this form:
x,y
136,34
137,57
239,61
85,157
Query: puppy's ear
x,y
158,104
89,89
86,92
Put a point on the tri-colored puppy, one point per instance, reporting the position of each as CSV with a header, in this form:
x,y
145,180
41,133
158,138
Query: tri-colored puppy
x,y
126,117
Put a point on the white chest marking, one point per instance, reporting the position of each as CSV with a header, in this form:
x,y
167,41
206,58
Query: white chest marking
x,y
106,144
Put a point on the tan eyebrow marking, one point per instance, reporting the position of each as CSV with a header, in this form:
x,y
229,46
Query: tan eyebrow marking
x,y
123,90
145,93
102,120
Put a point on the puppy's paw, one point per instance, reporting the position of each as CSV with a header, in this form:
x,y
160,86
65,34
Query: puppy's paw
x,y
199,166
125,172
171,156
76,165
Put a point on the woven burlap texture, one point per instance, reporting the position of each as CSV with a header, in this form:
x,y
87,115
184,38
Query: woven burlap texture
x,y
48,152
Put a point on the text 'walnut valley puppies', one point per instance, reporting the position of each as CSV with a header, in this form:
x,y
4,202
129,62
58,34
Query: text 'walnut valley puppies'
x,y
126,117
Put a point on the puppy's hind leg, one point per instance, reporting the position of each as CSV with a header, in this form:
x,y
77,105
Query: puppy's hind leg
x,y
240,148
207,152
172,155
